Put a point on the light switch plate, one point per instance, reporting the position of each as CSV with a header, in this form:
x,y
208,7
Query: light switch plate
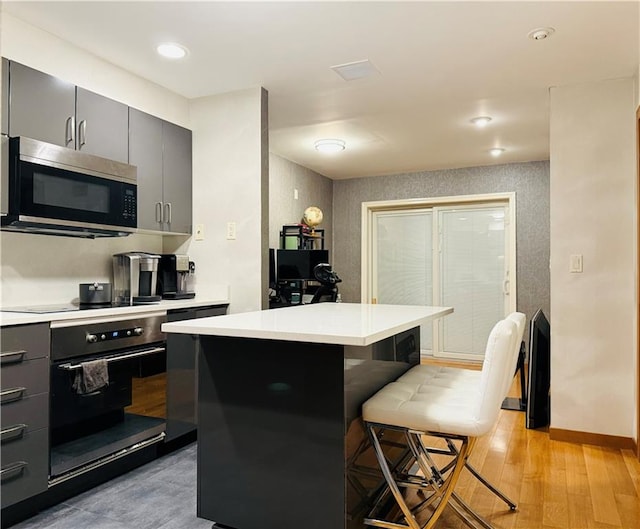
x,y
575,264
231,231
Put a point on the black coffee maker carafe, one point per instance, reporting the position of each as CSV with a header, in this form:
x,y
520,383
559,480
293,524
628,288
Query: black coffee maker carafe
x,y
175,277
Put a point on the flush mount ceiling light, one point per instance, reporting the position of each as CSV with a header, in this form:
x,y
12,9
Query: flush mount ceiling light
x,y
540,33
481,121
330,145
497,151
171,50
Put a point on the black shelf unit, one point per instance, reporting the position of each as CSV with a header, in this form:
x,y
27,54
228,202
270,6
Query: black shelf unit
x,y
301,237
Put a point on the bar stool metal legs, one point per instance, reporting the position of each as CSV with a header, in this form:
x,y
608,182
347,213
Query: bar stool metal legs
x,y
435,487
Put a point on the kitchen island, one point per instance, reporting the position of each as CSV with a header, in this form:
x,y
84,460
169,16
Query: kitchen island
x,y
279,396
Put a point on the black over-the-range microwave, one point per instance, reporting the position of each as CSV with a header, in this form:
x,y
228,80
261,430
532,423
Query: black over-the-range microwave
x,y
59,191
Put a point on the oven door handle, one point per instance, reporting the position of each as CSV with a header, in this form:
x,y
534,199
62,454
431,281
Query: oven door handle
x,y
116,358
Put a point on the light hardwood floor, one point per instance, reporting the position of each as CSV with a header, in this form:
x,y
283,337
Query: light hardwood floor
x,y
556,484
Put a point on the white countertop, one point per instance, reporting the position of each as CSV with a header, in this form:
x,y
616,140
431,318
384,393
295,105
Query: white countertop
x,y
19,318
332,323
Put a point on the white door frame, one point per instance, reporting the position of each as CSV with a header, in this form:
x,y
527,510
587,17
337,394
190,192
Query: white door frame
x,y
367,231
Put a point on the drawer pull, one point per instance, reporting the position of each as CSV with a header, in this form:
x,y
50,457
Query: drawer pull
x,y
12,471
12,433
11,395
12,357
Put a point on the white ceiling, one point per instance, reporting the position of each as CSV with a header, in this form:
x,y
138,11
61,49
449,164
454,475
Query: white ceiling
x,y
440,64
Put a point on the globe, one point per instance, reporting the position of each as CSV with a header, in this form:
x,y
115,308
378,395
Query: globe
x,y
312,216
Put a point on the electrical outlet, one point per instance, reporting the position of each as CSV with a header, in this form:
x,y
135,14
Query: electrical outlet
x,y
199,232
231,231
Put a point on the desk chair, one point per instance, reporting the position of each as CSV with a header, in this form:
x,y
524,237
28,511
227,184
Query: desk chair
x,y
456,378
459,414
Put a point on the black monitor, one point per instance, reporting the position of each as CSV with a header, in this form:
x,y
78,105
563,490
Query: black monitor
x,y
299,264
538,403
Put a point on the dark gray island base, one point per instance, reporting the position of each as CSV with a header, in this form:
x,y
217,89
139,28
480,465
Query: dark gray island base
x,y
280,392
278,423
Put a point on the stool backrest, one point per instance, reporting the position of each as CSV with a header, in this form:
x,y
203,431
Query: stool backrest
x,y
496,366
521,322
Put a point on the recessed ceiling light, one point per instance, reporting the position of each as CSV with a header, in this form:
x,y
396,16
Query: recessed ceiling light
x,y
330,145
171,50
540,33
496,151
481,121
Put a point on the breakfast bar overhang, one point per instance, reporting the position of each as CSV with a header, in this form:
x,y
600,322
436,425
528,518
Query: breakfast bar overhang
x,y
279,399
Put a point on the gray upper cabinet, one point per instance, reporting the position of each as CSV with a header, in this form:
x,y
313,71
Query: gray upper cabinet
x,y
46,108
162,153
102,125
145,152
177,177
42,107
4,128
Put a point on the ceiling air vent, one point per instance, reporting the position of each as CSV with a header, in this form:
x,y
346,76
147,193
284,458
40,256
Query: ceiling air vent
x,y
355,70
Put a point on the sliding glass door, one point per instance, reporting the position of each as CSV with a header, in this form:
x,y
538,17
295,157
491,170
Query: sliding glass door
x,y
452,255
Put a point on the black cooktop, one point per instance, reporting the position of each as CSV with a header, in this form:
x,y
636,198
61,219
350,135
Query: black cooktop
x,y
46,309
69,307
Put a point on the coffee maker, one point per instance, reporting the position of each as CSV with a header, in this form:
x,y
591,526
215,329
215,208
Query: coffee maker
x,y
135,277
176,274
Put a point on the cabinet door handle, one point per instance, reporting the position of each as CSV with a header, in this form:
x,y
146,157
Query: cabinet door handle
x,y
167,208
11,395
159,212
12,357
12,471
69,135
82,133
12,433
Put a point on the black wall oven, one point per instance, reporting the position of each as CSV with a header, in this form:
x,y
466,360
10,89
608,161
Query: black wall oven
x,y
53,189
93,423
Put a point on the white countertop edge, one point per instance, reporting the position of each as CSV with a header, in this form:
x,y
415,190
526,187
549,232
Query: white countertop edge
x,y
215,327
21,318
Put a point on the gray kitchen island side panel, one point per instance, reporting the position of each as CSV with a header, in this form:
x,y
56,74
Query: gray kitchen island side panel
x,y
271,434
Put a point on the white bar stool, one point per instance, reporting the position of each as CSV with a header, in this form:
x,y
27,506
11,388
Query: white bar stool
x,y
459,413
456,377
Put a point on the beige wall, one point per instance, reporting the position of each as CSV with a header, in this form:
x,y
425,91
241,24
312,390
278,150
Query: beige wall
x,y
593,213
228,187
313,190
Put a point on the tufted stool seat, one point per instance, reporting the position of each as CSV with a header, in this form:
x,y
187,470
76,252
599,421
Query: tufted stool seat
x,y
459,412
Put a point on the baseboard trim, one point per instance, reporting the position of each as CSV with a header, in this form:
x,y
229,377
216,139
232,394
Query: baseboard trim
x,y
607,441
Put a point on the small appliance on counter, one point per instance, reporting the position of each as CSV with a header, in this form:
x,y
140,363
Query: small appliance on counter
x,y
95,293
176,277
135,278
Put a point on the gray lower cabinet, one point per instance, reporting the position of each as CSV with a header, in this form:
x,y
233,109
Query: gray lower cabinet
x,y
182,388
24,411
49,109
162,153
